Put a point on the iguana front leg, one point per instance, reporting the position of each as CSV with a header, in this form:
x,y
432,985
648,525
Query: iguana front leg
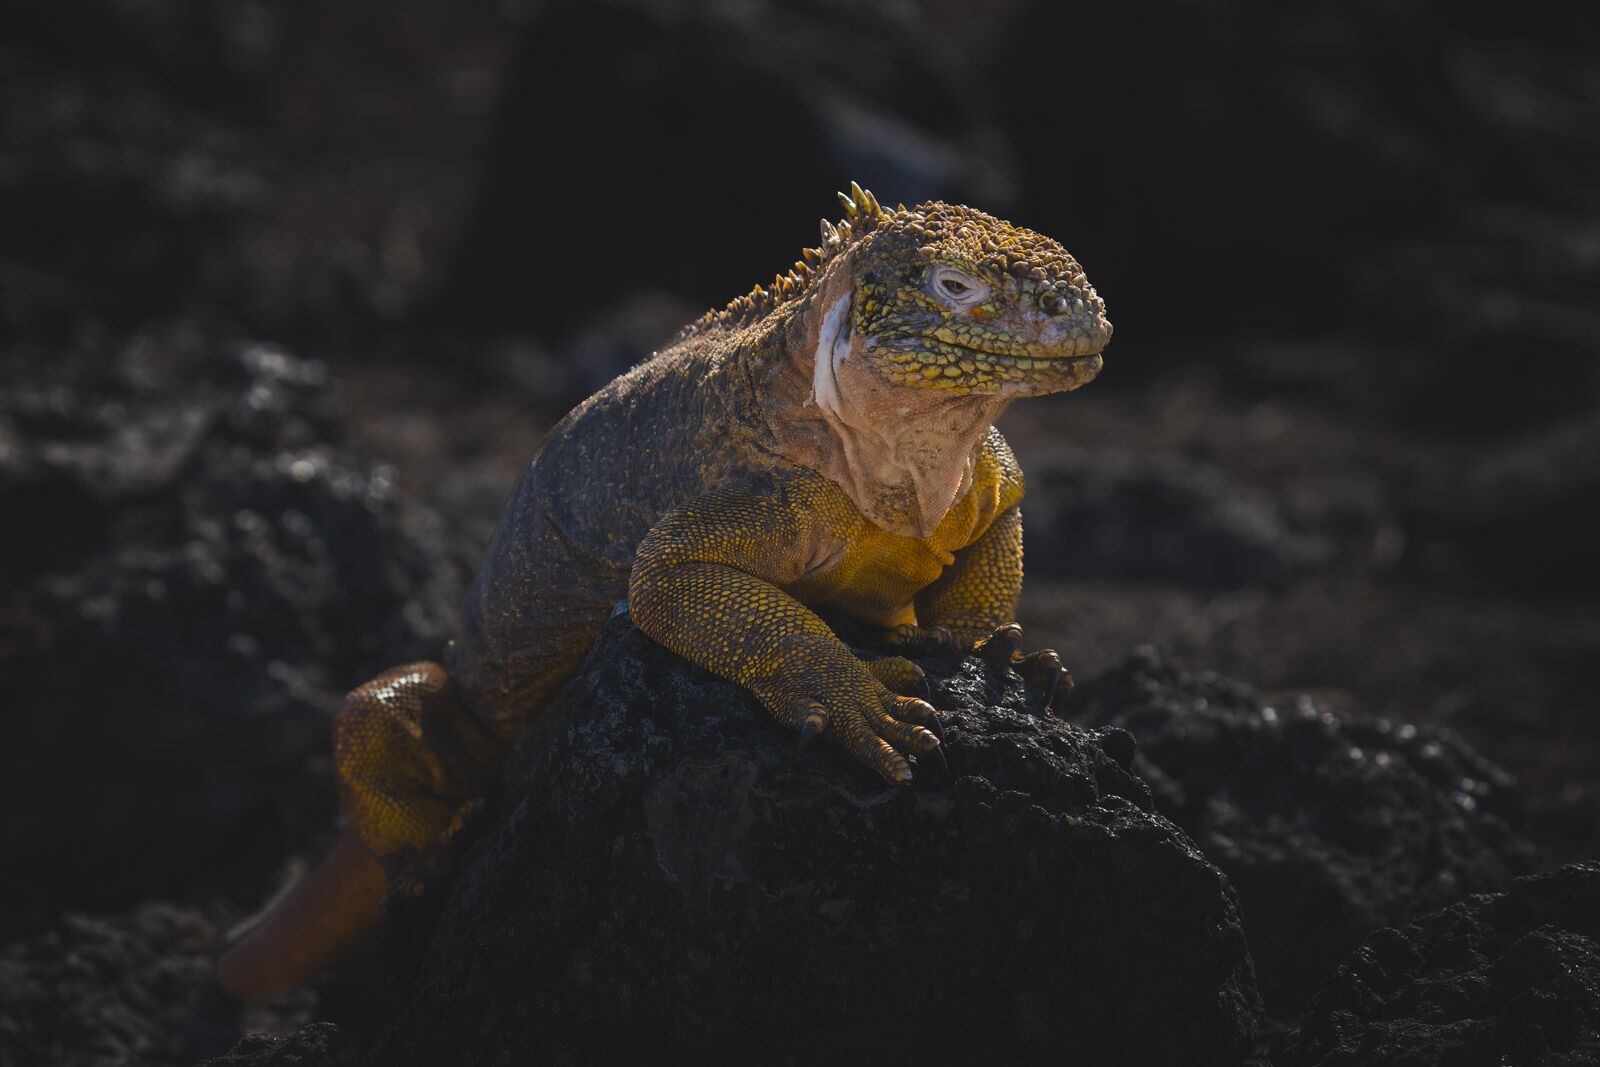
x,y
973,605
708,582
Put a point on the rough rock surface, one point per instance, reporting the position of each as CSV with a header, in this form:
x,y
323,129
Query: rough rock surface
x,y
1495,979
1329,825
671,878
313,1045
126,989
192,570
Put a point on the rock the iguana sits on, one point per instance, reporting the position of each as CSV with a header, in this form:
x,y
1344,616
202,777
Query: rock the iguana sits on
x,y
823,443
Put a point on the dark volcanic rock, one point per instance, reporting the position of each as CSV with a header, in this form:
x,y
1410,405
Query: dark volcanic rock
x,y
313,1045
115,192
192,570
672,879
1109,514
128,989
1330,826
1495,979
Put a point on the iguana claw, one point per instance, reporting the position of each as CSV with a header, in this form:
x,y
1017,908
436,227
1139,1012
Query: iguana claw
x,y
901,676
811,724
1001,647
1042,669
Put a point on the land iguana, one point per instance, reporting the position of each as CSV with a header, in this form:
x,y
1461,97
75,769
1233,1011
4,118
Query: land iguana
x,y
825,442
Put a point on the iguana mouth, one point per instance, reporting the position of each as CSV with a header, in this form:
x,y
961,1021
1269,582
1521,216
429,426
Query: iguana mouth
x,y
948,366
1024,358
931,348
936,353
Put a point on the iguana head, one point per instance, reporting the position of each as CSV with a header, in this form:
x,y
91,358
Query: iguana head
x,y
944,297
947,297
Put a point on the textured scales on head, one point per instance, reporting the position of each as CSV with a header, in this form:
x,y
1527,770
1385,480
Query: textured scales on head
x,y
947,297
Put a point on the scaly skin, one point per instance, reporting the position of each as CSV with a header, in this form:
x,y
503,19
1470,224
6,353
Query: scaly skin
x,y
825,442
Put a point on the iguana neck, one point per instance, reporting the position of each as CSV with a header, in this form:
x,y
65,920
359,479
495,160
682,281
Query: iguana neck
x,y
903,455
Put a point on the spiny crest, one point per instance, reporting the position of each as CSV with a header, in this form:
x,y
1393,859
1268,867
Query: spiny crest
x,y
862,215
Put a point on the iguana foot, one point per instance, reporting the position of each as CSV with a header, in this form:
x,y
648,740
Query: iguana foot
x,y
851,706
426,870
412,762
1002,649
1043,668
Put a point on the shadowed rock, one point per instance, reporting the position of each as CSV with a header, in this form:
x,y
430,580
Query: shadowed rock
x,y
313,1045
192,570
1511,977
122,989
671,878
1329,825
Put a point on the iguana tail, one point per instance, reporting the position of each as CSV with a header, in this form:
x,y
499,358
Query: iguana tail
x,y
308,926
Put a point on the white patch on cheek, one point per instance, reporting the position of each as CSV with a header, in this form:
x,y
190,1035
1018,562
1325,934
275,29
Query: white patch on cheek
x,y
833,345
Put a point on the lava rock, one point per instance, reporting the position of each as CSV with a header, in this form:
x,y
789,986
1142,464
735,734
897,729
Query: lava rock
x,y
115,191
1510,977
1115,515
1329,825
126,989
195,570
313,1045
671,878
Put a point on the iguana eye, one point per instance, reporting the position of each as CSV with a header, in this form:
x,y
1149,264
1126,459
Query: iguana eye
x,y
957,288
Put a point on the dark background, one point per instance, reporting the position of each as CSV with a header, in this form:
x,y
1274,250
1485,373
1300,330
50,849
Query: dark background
x,y
289,292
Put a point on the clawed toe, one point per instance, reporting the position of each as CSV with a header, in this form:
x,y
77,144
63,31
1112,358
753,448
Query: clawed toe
x,y
812,723
1052,682
1042,669
900,675
1002,646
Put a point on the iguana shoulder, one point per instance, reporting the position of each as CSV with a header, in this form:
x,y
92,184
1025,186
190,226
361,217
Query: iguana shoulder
x,y
648,442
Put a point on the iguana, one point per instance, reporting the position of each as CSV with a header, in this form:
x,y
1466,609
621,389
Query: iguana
x,y
825,442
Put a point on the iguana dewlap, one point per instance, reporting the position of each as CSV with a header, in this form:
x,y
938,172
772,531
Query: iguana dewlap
x,y
825,442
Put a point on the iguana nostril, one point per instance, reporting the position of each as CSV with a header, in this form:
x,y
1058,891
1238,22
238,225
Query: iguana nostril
x,y
1054,303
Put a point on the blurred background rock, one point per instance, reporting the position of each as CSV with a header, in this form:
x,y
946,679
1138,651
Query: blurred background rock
x,y
289,292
